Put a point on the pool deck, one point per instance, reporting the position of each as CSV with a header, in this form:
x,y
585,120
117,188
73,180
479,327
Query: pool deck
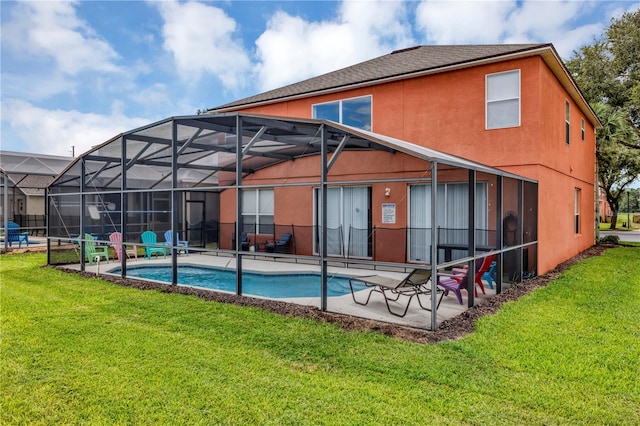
x,y
375,310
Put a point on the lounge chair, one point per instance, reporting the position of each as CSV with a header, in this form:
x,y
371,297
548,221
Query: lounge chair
x,y
151,240
93,252
414,284
283,245
13,234
181,245
244,241
116,239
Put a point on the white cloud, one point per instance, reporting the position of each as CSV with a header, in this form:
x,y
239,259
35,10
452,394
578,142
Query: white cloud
x,y
56,131
200,38
468,22
52,30
529,21
292,49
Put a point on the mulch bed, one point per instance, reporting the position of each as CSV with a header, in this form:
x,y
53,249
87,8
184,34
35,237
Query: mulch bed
x,y
450,329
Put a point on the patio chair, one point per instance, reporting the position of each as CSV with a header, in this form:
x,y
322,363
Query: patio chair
x,y
151,240
244,241
490,275
283,245
182,245
13,234
93,252
458,279
414,284
116,239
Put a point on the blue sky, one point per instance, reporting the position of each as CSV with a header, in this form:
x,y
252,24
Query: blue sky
x,y
75,74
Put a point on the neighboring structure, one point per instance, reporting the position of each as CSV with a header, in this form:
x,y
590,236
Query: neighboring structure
x,y
25,176
513,107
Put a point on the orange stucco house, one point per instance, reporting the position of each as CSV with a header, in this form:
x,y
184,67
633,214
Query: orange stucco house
x,y
512,107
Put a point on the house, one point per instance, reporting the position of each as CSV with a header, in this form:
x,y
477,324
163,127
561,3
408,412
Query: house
x,y
25,176
426,158
512,107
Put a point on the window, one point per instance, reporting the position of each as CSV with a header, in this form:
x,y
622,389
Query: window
x,y
503,100
355,112
257,210
576,210
582,130
567,120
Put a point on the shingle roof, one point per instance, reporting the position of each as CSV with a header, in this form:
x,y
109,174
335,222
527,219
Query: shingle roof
x,y
397,64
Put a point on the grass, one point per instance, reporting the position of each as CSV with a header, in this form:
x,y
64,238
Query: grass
x,y
622,218
84,351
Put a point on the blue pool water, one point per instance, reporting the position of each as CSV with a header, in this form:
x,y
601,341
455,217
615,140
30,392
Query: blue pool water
x,y
257,284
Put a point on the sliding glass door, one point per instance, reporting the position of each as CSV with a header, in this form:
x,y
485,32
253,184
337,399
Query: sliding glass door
x,y
348,221
452,214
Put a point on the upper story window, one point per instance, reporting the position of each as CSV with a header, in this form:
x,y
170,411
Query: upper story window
x,y
582,130
567,122
355,112
503,99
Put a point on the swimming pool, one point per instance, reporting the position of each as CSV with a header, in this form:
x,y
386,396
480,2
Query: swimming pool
x,y
274,286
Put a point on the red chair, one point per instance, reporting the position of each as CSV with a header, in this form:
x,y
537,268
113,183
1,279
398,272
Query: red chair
x,y
459,278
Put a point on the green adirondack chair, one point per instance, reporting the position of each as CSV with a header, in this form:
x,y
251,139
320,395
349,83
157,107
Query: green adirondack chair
x,y
91,251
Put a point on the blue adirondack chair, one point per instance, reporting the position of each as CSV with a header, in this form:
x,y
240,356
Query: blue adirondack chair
x,y
181,245
13,235
490,275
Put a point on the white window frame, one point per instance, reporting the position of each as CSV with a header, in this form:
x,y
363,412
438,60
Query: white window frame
x,y
492,100
567,122
340,113
257,214
582,133
577,196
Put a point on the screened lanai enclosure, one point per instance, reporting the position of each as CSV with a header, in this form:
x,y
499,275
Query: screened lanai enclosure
x,y
294,210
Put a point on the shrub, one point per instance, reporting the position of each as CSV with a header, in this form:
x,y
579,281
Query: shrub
x,y
610,239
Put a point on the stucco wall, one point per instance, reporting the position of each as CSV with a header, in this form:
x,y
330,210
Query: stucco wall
x,y
446,112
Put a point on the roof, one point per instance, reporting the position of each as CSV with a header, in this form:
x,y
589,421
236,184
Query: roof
x,y
31,184
31,173
205,150
34,164
410,63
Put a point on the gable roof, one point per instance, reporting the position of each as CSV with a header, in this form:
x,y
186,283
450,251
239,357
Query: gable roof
x,y
410,63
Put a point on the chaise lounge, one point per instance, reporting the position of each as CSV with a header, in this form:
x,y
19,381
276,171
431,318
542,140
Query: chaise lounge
x,y
414,284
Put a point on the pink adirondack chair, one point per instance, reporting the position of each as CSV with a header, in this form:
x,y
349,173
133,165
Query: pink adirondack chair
x,y
116,239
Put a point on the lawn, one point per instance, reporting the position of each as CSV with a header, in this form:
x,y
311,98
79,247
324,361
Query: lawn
x,y
623,219
84,351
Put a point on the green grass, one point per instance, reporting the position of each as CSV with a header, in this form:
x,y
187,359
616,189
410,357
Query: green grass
x,y
622,218
84,351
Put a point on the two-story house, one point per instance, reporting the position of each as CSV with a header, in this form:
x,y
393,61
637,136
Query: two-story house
x,y
512,107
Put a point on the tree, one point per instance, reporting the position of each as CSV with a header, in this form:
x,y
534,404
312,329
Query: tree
x,y
608,74
609,70
618,165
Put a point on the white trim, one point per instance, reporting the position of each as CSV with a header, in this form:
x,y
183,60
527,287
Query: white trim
x,y
487,101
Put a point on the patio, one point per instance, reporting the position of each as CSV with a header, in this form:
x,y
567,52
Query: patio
x,y
375,310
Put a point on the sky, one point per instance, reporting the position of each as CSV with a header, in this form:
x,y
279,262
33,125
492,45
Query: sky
x,y
75,74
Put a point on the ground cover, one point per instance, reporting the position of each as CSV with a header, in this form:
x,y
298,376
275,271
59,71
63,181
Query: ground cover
x,y
82,350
